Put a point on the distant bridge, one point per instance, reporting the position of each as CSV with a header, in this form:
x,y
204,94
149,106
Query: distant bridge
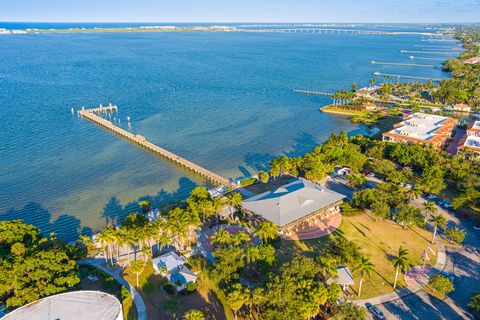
x,y
338,31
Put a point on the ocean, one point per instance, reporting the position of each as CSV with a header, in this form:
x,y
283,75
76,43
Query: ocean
x,y
222,100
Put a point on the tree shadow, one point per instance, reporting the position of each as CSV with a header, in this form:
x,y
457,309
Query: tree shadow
x,y
259,161
66,227
304,143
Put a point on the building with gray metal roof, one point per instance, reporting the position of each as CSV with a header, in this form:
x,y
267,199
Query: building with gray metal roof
x,y
293,202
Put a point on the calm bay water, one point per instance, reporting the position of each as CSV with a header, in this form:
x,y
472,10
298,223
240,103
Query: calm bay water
x,y
222,100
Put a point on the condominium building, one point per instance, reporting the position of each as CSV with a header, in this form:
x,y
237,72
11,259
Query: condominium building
x,y
422,128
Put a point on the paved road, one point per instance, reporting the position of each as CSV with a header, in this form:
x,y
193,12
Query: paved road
x,y
464,263
137,298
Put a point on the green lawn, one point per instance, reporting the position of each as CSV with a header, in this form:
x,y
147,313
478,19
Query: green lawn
x,y
378,240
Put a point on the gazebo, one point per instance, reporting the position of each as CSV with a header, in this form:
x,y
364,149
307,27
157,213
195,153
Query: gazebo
x,y
344,278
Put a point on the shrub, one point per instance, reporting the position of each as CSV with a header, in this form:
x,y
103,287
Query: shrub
x,y
248,181
441,284
169,288
191,286
170,304
148,287
455,234
475,302
347,311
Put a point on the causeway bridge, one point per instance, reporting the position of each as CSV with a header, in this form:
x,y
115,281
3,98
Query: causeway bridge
x,y
339,31
92,115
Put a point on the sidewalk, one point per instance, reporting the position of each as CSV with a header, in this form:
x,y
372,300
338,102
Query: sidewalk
x,y
136,297
411,289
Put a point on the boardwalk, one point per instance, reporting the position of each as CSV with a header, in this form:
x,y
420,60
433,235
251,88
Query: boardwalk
x,y
320,93
91,114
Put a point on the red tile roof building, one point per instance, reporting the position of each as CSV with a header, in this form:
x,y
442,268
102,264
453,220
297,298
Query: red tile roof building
x,y
471,141
422,128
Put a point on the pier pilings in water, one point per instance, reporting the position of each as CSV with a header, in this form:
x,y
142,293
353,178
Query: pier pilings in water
x,y
91,115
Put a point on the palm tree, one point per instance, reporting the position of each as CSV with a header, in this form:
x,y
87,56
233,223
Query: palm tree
x,y
217,206
137,267
429,207
146,205
221,237
413,193
364,268
266,231
107,239
234,200
437,220
237,298
400,262
328,266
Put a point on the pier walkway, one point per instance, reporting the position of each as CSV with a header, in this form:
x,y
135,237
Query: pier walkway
x,y
320,93
398,76
91,114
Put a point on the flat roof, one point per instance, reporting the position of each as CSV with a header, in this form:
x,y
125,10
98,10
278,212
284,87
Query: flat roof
x,y
472,142
291,201
75,305
420,126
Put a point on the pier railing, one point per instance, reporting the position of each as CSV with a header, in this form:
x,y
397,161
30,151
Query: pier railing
x,y
90,114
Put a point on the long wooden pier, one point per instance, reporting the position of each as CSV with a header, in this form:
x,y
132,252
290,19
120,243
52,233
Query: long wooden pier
x,y
403,64
399,76
91,114
319,93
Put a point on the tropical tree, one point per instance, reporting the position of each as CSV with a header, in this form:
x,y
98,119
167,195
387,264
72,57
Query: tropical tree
x,y
234,200
407,215
328,266
441,284
429,208
413,193
401,263
364,268
237,298
137,266
194,314
356,181
475,302
263,176
438,220
266,231
146,205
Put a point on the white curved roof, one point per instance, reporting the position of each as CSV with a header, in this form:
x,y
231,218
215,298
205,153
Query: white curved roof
x,y
76,305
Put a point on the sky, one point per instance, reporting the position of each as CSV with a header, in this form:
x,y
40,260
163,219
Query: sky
x,y
393,11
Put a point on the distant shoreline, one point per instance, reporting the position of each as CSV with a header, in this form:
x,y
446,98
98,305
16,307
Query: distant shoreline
x,y
307,29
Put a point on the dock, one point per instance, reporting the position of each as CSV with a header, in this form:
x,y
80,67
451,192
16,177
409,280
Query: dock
x,y
318,93
398,76
403,64
92,115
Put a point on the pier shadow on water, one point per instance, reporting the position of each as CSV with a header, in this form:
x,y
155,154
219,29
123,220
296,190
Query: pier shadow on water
x,y
68,227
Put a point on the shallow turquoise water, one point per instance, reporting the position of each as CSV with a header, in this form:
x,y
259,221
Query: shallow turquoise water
x,y
223,100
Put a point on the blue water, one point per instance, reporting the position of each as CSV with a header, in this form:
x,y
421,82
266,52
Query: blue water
x,y
222,100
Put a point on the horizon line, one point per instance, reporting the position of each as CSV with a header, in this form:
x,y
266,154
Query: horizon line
x,y
250,22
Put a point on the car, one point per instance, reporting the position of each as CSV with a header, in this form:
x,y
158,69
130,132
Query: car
x,y
371,175
408,186
375,311
431,196
476,227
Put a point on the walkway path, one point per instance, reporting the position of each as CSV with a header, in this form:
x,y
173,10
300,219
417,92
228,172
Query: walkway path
x,y
136,297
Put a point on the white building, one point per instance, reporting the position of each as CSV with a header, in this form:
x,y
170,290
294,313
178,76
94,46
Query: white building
x,y
173,267
76,305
